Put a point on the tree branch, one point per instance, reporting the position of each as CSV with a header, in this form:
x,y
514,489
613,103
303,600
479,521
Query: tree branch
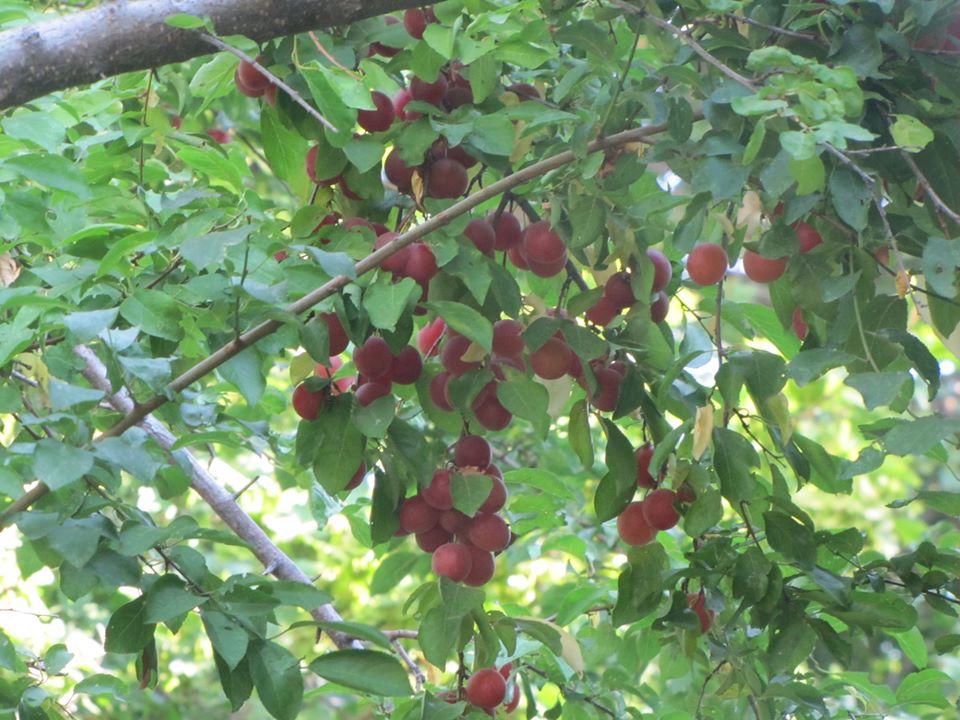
x,y
117,37
279,563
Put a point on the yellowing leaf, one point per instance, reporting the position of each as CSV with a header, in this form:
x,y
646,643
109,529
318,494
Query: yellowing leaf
x,y
903,283
301,367
570,653
702,430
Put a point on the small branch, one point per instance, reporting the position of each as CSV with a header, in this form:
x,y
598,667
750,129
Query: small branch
x,y
687,40
703,687
294,95
398,634
928,190
772,28
165,273
565,691
415,669
331,58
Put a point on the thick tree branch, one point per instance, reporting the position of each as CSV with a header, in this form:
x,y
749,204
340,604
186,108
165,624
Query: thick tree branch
x,y
273,558
117,37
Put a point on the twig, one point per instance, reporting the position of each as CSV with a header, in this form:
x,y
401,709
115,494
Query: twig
x,y
772,28
171,266
706,681
241,491
415,669
331,58
928,189
688,40
564,690
397,634
294,95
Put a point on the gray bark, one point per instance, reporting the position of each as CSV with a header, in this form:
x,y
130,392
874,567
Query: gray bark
x,y
126,35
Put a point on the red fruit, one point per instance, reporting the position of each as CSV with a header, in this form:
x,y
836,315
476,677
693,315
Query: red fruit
x,y
506,229
338,386
516,257
281,255
345,189
378,48
800,327
398,172
243,87
379,119
761,269
807,236
221,137
659,307
608,389
707,264
440,393
486,688
252,77
337,335
547,269
421,263
471,451
452,561
461,156
662,270
416,516
407,366
490,532
633,526
491,414
400,101
507,338
618,292
644,455
698,603
482,567
311,164
497,497
452,355
457,95
370,391
602,312
373,359
659,510
482,235
307,403
524,90
552,359
270,95
357,477
432,539
454,521
540,244
428,92
437,493
446,179
686,494
415,21
396,263
428,337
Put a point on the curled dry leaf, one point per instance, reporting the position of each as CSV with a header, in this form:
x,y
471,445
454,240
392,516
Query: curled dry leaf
x,y
9,270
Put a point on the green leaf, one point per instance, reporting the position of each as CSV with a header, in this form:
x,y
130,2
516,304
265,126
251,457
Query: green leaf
x,y
880,389
210,162
127,630
940,261
102,684
368,671
466,321
184,20
578,432
482,74
386,301
851,198
277,677
527,399
169,597
873,609
236,683
359,631
926,687
916,437
54,171
340,445
493,134
791,538
470,491
88,325
705,512
910,133
59,465
799,145
243,372
154,312
228,639
750,575
733,457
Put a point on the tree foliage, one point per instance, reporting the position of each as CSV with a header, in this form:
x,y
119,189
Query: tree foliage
x,y
725,418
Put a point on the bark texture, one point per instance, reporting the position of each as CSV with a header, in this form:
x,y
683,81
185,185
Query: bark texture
x,y
126,35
